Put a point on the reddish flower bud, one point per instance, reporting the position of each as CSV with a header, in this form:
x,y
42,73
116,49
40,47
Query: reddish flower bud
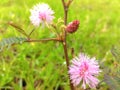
x,y
72,26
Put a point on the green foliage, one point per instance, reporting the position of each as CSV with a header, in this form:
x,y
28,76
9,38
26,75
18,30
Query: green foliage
x,y
112,78
113,82
116,53
7,42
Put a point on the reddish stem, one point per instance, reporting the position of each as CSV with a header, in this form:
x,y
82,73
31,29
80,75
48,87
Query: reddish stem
x,y
66,6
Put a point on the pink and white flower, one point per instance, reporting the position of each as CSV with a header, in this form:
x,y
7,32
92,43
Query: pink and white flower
x,y
84,70
40,14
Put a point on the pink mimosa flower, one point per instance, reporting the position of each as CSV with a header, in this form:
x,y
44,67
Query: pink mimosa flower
x,y
84,70
40,14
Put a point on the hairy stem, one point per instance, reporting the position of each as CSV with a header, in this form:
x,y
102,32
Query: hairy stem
x,y
66,6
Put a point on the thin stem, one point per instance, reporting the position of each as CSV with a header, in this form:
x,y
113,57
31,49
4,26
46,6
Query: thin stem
x,y
18,28
31,32
72,52
69,2
50,28
65,11
56,30
44,40
65,6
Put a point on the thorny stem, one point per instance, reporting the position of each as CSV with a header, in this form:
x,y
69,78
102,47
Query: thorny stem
x,y
66,6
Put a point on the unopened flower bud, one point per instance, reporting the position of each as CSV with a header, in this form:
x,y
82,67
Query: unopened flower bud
x,y
72,26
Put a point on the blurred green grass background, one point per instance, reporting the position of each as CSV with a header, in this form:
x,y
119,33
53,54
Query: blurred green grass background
x,y
42,65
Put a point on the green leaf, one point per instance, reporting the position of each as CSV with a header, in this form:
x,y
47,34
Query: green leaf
x,y
113,82
7,42
116,53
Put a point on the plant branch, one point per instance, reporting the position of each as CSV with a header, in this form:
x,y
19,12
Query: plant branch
x,y
18,28
66,6
44,40
69,2
31,32
65,11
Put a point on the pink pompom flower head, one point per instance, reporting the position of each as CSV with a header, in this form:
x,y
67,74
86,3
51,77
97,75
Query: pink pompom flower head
x,y
41,14
72,26
84,70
